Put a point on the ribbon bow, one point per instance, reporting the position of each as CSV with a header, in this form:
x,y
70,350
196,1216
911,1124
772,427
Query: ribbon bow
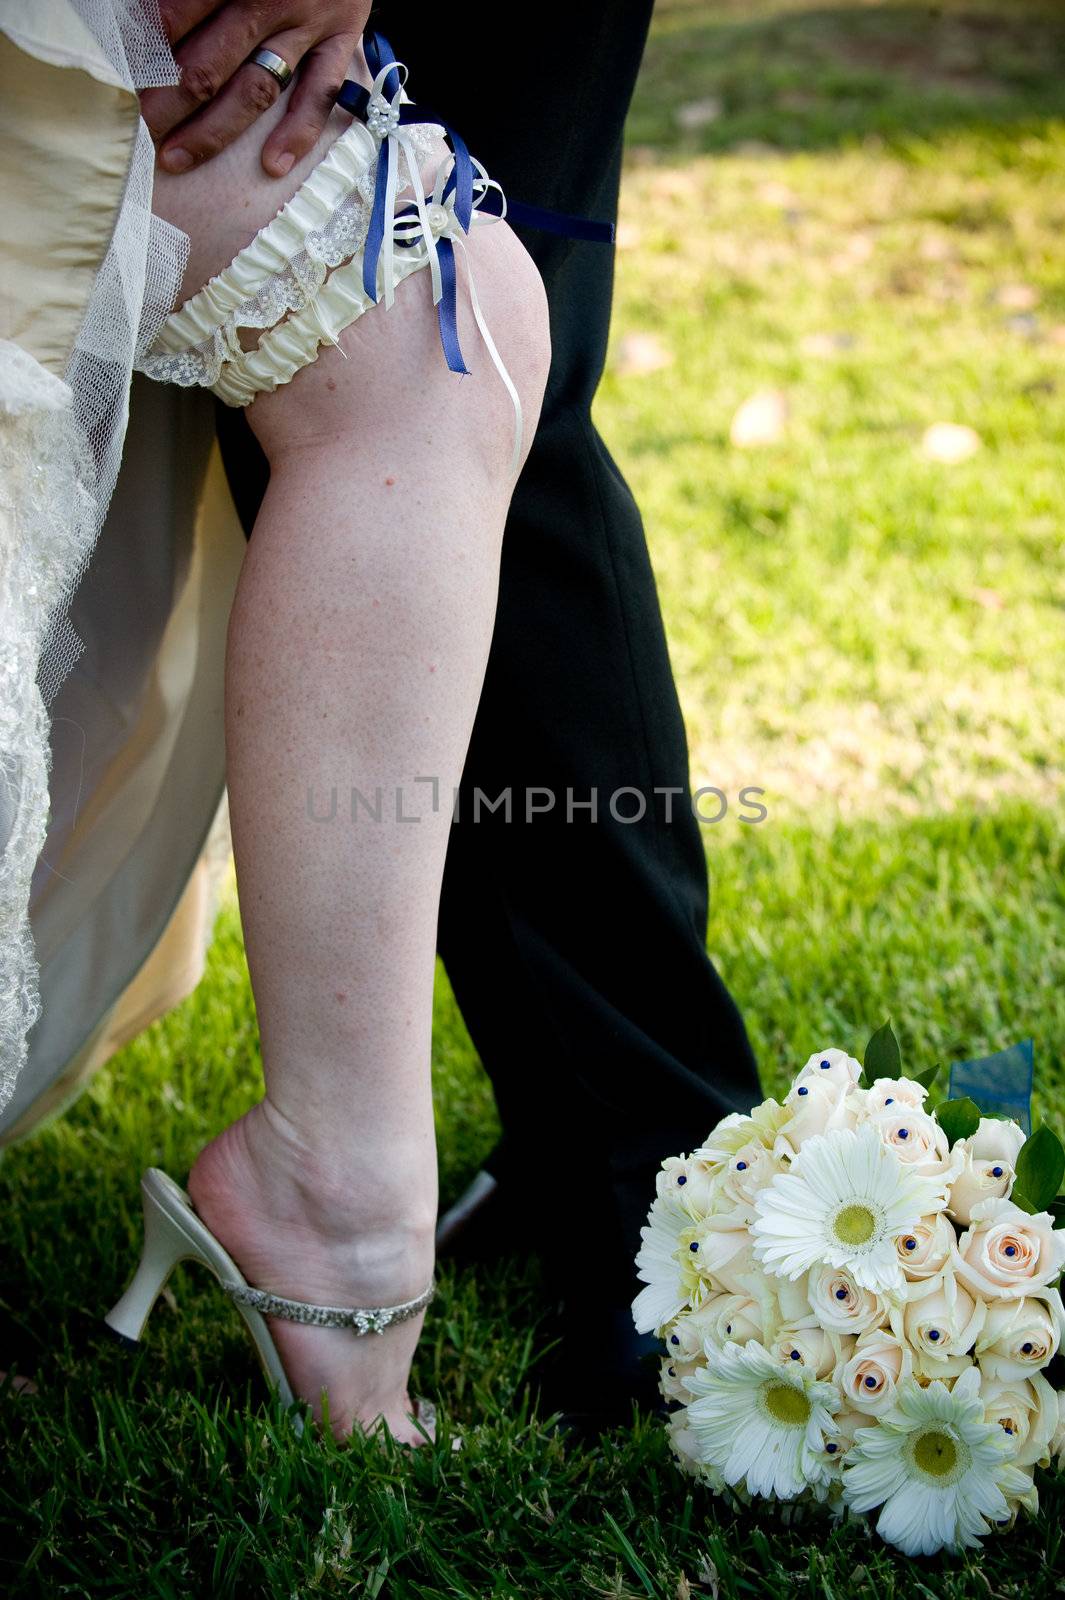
x,y
387,116
461,198
441,228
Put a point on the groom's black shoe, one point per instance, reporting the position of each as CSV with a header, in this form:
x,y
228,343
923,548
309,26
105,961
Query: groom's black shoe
x,y
602,1372
481,1224
600,1365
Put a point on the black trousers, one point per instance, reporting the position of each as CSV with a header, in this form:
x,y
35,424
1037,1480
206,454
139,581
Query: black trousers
x,y
576,948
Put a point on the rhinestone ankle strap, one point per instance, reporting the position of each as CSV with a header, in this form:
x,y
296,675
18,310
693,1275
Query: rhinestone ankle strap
x,y
363,1319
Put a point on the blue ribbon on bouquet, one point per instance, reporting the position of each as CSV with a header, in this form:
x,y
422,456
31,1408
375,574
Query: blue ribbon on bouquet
x,y
382,112
1001,1085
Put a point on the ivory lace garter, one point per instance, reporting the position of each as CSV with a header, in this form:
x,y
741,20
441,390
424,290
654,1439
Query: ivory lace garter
x,y
337,246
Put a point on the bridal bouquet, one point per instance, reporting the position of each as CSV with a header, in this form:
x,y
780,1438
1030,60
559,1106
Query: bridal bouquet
x,y
857,1299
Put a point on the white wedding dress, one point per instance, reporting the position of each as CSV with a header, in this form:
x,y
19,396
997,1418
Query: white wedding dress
x,y
113,600
115,587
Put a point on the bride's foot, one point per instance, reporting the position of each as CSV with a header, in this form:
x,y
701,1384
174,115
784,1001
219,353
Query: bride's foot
x,y
308,1226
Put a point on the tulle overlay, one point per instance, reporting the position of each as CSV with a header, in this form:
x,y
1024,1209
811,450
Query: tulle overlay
x,y
47,515
60,448
301,281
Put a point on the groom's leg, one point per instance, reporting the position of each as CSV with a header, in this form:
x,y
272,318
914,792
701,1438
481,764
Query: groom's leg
x,y
576,948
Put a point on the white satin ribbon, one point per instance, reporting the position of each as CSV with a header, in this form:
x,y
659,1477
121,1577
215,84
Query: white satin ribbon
x,y
385,111
430,228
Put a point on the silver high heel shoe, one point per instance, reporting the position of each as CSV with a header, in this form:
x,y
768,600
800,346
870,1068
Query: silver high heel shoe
x,y
173,1232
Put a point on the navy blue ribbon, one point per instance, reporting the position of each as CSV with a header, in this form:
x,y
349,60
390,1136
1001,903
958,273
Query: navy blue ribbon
x,y
355,99
448,308
561,222
1000,1084
379,53
447,305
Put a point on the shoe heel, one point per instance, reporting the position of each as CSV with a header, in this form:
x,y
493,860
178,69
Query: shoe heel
x,y
165,1244
173,1232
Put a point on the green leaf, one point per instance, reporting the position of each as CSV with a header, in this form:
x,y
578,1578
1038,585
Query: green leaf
x,y
1021,1200
1041,1167
927,1079
1057,1211
882,1058
959,1119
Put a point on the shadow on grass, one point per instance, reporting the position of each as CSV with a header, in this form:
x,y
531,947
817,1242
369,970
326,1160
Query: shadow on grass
x,y
812,78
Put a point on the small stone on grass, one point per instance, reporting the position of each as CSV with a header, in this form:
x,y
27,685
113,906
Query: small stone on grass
x,y
760,420
950,442
641,352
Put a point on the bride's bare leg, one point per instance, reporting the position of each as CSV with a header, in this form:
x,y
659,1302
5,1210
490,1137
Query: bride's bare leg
x,y
357,645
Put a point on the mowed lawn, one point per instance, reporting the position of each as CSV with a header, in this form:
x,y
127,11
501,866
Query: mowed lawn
x,y
853,218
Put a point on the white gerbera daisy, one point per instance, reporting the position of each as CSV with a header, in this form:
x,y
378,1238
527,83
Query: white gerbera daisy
x,y
941,1473
666,1264
843,1204
762,1422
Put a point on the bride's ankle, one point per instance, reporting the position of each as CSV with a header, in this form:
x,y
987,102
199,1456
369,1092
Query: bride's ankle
x,y
260,1175
389,1184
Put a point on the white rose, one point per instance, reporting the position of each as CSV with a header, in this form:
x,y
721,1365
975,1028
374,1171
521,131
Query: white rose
x,y
1021,1494
840,1305
736,1130
725,1136
830,1066
997,1139
977,1181
672,1380
748,1171
1020,1336
683,1440
916,1138
723,1316
815,1108
690,1181
719,1241
1057,1443
989,1159
878,1365
927,1248
815,1348
848,1422
789,1298
1027,1408
686,1449
767,1301
940,1321
685,1336
897,1092
1006,1254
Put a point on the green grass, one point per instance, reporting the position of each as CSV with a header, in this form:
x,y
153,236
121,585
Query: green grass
x,y
873,638
855,628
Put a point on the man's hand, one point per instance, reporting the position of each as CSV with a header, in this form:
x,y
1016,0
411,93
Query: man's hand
x,y
221,93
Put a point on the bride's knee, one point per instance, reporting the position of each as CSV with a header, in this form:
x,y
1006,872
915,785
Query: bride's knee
x,y
388,384
515,305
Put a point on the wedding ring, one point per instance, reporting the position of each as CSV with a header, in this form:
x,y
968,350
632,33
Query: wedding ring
x,y
275,65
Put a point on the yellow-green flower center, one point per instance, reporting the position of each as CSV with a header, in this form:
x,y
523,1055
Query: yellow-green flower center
x,y
935,1453
786,1404
854,1225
